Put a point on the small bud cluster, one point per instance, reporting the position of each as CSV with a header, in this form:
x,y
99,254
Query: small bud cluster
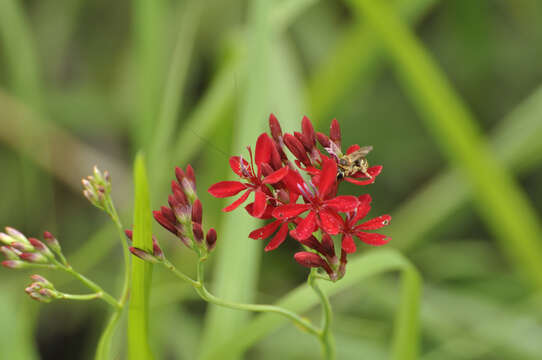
x,y
21,252
42,290
183,218
157,254
97,187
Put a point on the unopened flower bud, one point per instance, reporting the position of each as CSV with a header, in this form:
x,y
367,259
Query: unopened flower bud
x,y
14,264
42,281
335,132
308,259
52,242
191,176
16,234
41,248
198,232
22,246
274,126
210,239
33,258
197,211
129,234
156,249
10,253
6,239
143,255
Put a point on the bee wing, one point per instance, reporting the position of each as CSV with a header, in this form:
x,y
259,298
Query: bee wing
x,y
362,152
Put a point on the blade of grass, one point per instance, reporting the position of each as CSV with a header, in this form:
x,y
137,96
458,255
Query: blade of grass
x,y
189,17
501,203
405,341
148,37
237,260
138,312
23,75
516,141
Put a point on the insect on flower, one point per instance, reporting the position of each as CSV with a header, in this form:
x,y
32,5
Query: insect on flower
x,y
354,162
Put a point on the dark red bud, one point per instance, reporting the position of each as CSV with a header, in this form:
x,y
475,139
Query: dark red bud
x,y
197,211
335,132
198,232
143,255
161,219
129,234
323,139
156,249
274,126
309,260
210,239
297,148
308,133
191,176
179,174
329,247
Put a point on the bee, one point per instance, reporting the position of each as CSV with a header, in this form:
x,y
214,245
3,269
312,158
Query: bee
x,y
348,165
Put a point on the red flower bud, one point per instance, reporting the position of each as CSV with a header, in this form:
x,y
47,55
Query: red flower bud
x,y
41,248
14,264
129,234
51,241
143,255
198,232
323,139
308,259
274,126
197,211
33,258
210,239
335,132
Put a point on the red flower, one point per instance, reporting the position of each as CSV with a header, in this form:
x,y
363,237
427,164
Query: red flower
x,y
322,206
255,182
349,227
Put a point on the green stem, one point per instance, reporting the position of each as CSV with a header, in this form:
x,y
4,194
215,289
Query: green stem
x,y
325,335
207,296
81,297
93,286
112,211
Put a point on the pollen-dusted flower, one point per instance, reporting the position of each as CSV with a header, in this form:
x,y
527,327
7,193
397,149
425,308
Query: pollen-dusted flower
x,y
255,182
350,227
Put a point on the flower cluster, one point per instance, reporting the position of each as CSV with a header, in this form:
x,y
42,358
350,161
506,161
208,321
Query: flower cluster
x,y
183,217
22,252
285,190
97,188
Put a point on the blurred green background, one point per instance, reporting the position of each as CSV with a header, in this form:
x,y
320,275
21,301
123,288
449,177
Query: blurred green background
x,y
448,93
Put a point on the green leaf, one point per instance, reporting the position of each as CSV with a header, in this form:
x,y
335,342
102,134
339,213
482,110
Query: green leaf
x,y
406,328
238,259
501,202
138,312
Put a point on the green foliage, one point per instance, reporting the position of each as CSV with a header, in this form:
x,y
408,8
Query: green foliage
x,y
138,311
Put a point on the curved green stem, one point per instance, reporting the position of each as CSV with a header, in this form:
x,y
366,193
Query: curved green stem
x,y
207,296
93,286
81,297
325,335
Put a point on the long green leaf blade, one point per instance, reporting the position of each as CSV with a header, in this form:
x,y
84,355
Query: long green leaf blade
x,y
138,313
501,202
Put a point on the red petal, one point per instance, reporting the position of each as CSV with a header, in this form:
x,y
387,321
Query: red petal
x,y
345,203
376,223
235,164
158,216
260,202
373,239
306,227
373,171
263,149
278,239
363,208
328,177
348,244
237,202
360,182
264,231
276,176
226,188
352,148
331,221
291,180
289,210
